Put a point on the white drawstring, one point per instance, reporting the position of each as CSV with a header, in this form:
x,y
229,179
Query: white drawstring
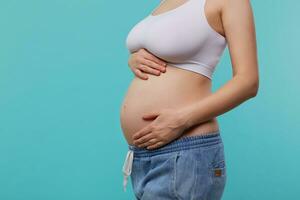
x,y
127,167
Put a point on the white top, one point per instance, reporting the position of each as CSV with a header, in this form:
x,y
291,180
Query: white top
x,y
181,36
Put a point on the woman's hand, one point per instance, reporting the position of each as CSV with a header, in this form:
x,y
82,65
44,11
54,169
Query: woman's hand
x,y
142,62
168,125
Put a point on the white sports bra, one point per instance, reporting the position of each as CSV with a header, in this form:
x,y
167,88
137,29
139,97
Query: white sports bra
x,y
181,36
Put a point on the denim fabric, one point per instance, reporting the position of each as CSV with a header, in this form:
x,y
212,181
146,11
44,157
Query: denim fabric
x,y
189,168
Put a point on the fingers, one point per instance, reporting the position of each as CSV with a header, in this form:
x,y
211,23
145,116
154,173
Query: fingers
x,y
148,143
139,69
144,131
149,70
140,74
146,140
154,65
152,61
152,57
155,145
143,62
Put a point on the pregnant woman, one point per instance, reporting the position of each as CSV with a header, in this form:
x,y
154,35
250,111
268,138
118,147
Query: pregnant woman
x,y
168,116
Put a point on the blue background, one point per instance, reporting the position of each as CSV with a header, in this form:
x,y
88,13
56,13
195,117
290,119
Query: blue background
x,y
64,74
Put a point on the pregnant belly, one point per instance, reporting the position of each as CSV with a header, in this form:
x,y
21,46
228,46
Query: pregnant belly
x,y
173,89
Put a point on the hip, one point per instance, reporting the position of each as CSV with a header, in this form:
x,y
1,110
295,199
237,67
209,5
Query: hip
x,y
191,167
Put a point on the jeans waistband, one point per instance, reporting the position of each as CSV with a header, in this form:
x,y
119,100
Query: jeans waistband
x,y
183,143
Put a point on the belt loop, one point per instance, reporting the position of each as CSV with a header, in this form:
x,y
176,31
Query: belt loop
x,y
127,167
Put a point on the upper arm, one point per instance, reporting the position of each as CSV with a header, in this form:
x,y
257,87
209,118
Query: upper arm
x,y
239,28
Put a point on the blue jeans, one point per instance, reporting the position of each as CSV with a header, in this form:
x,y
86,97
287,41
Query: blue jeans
x,y
188,168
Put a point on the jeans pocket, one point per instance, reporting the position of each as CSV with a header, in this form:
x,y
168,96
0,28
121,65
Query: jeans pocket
x,y
218,175
218,169
185,174
140,167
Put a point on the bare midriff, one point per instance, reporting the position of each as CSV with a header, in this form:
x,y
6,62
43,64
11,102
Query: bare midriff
x,y
176,88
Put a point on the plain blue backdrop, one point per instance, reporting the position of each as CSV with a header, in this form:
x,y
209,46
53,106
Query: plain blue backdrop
x,y
64,74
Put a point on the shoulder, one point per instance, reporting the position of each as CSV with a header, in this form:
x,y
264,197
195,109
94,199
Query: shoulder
x,y
231,5
236,12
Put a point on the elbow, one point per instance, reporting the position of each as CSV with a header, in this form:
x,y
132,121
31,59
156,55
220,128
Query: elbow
x,y
249,86
253,87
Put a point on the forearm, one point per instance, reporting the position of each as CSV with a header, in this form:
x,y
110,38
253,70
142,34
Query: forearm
x,y
230,95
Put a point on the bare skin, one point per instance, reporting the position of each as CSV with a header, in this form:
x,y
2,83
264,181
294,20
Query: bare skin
x,y
160,108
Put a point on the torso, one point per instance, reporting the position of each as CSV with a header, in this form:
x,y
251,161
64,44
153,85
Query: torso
x,y
174,89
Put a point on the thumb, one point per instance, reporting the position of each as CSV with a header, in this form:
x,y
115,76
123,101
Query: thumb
x,y
151,115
